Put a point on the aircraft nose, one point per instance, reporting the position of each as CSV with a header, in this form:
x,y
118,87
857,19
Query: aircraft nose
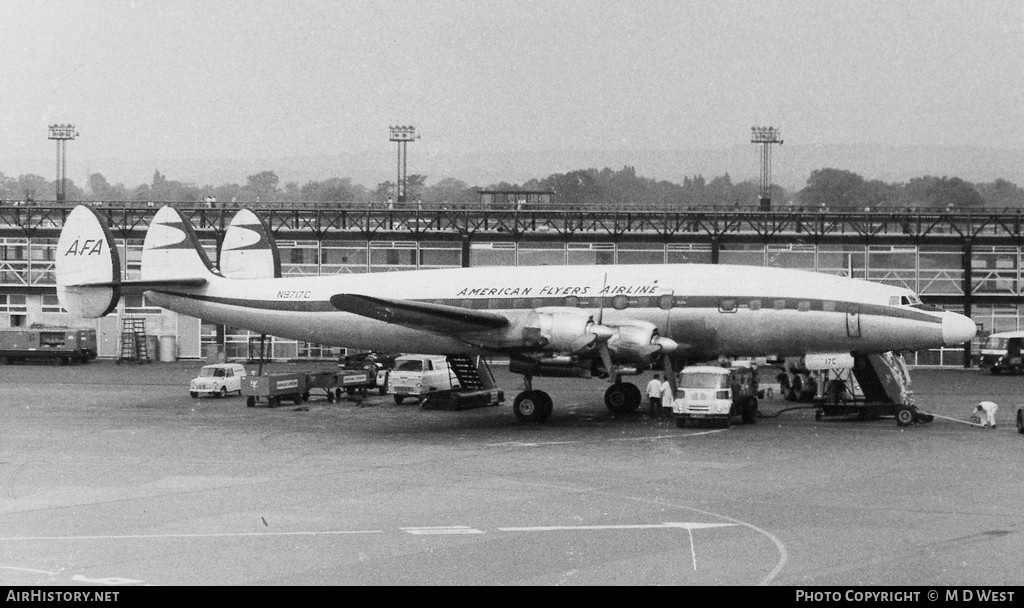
x,y
957,329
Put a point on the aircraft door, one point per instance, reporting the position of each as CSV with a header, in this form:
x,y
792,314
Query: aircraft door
x,y
853,321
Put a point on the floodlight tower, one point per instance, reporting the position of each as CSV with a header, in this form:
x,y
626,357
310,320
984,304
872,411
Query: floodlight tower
x,y
62,133
402,135
766,136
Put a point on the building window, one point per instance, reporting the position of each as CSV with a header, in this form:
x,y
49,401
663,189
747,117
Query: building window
x,y
52,304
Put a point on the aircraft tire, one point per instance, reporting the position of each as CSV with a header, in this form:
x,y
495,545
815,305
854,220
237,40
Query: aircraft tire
x,y
904,416
532,406
1020,421
622,398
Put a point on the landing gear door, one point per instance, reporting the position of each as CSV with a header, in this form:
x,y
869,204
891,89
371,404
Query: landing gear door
x,y
853,321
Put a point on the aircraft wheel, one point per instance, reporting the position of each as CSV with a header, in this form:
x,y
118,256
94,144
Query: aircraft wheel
x,y
622,398
904,416
532,406
1020,421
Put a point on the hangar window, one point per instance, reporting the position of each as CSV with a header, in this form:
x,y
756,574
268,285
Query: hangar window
x,y
727,305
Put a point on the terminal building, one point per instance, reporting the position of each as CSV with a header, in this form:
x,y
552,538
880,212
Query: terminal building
x,y
968,262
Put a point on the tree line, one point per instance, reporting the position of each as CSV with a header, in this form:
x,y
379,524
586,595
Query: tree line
x,y
825,188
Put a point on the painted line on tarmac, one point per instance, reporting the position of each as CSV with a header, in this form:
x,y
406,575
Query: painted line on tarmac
x,y
672,436
32,570
186,535
440,530
527,444
689,525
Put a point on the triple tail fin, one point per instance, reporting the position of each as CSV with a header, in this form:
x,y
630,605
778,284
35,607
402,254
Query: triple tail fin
x,y
88,267
248,250
171,253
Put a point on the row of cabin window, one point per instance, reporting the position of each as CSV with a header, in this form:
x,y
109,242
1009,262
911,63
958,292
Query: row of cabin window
x,y
622,302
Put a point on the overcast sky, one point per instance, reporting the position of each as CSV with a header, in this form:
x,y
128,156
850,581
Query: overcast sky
x,y
216,78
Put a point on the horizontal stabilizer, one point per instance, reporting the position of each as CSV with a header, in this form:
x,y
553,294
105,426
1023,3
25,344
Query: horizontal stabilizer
x,y
419,315
136,287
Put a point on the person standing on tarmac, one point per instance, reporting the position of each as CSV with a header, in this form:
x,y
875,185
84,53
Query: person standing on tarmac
x,y
667,397
654,392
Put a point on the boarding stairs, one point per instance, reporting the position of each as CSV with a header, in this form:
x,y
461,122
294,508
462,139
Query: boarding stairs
x,y
476,382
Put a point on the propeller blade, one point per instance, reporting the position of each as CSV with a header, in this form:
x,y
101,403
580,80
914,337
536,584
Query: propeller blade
x,y
606,358
670,372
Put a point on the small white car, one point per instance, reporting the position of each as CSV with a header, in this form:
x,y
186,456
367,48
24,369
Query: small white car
x,y
218,380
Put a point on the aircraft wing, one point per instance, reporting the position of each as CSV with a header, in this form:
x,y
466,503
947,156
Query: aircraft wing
x,y
438,318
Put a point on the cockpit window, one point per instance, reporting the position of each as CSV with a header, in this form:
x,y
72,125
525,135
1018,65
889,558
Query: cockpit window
x,y
905,300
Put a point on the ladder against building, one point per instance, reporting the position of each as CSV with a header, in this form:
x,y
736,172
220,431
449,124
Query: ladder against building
x,y
133,345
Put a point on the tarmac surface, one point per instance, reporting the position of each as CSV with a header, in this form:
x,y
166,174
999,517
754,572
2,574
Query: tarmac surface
x,y
112,475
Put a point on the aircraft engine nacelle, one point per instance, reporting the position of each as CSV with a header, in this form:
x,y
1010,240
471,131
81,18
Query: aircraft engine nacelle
x,y
638,341
564,330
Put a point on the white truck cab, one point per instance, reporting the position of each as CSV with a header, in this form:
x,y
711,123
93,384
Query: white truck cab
x,y
218,380
416,375
716,393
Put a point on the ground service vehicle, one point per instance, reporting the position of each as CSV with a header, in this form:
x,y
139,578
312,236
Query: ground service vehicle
x,y
274,388
868,386
1002,352
716,393
416,376
218,380
57,345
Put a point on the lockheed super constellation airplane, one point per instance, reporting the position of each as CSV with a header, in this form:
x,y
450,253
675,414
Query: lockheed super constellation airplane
x,y
608,321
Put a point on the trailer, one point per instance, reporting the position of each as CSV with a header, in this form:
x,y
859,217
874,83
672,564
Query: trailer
x,y
274,388
56,345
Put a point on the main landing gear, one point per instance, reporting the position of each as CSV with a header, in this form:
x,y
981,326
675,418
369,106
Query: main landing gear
x,y
622,397
536,406
531,405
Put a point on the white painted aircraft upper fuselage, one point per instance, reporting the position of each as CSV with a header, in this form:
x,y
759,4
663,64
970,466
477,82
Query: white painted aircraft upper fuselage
x,y
709,310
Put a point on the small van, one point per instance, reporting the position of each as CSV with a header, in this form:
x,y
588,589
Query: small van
x,y
1002,352
416,375
218,380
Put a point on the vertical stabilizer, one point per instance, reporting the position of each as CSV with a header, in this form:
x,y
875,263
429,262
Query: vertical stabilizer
x,y
87,265
171,250
248,250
